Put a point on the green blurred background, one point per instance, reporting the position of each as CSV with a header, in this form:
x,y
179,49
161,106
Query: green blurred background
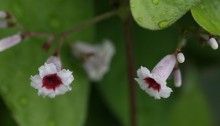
x,y
105,103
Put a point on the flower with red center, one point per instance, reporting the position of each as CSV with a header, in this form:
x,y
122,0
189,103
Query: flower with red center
x,y
52,80
154,82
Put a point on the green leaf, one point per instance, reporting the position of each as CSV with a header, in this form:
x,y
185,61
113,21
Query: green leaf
x,y
206,14
159,14
23,60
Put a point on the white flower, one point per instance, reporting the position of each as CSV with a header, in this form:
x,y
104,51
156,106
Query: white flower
x,y
4,14
213,43
96,58
9,42
51,80
177,77
180,57
154,83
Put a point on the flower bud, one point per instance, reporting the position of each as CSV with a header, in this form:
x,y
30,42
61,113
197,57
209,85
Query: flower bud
x,y
180,57
177,77
10,41
56,61
213,43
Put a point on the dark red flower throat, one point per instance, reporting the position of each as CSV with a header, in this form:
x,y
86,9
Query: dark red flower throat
x,y
51,81
152,84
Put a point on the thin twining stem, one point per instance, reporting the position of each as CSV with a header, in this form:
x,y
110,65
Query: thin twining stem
x,y
75,28
130,61
88,23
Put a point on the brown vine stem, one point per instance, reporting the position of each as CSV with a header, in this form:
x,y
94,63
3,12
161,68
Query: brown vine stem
x,y
74,29
130,61
88,23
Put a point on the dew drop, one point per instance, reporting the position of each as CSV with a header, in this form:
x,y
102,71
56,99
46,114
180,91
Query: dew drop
x,y
155,2
163,24
23,101
132,5
140,20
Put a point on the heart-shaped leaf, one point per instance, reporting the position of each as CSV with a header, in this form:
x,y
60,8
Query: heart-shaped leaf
x,y
206,14
159,14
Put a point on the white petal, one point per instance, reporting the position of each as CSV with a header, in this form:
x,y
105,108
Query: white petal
x,y
108,49
141,83
165,92
51,95
36,81
66,76
95,68
143,72
62,89
47,69
152,93
80,48
43,92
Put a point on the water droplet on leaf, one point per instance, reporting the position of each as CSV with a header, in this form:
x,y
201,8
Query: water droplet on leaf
x,y
132,5
163,24
155,2
140,20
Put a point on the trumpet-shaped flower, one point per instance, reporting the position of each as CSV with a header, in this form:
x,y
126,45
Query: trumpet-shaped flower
x,y
52,80
154,82
96,58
